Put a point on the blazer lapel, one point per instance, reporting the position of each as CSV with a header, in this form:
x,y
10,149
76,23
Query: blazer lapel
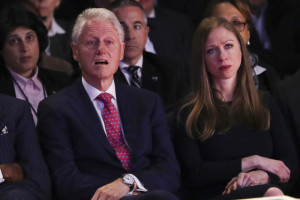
x,y
84,109
150,77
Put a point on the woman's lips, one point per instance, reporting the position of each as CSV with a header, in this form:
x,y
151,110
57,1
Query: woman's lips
x,y
225,67
25,59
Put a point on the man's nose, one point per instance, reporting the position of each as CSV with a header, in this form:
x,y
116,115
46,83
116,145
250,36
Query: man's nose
x,y
101,48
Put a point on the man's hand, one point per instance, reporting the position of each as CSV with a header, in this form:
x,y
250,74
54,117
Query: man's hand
x,y
257,177
12,172
112,191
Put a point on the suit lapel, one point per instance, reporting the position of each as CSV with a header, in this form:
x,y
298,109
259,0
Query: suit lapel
x,y
127,112
150,76
84,109
119,76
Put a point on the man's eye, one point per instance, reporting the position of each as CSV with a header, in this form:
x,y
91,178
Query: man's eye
x,y
91,42
137,27
108,42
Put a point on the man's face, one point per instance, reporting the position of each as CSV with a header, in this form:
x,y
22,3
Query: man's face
x,y
46,7
98,51
136,32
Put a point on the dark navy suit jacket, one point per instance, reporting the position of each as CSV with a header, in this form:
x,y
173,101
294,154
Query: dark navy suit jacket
x,y
19,144
79,154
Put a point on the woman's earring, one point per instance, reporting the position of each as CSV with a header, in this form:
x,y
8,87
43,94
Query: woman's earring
x,y
248,43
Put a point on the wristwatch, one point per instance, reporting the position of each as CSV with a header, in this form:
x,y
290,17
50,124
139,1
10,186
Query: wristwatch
x,y
1,177
128,180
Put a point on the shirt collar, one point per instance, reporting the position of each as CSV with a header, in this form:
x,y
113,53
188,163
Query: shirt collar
x,y
94,92
139,63
55,29
152,14
22,81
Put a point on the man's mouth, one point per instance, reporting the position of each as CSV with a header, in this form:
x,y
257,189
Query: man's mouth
x,y
101,62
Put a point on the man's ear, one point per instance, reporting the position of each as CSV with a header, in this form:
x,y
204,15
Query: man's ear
x,y
74,50
57,3
122,49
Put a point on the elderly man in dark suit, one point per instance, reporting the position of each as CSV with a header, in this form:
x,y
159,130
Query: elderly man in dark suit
x,y
143,69
102,139
23,173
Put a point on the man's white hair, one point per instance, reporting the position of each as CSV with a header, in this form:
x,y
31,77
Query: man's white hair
x,y
96,14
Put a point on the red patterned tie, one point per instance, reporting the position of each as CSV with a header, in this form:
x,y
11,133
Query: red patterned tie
x,y
113,130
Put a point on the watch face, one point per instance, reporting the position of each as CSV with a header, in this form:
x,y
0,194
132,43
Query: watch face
x,y
128,179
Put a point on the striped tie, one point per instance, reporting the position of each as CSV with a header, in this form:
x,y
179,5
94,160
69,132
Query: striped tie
x,y
135,80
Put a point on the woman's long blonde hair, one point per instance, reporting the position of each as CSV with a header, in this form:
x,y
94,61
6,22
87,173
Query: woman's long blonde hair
x,y
206,112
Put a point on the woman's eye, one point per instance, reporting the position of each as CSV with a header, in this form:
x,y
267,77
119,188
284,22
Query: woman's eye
x,y
228,46
210,51
13,41
30,37
236,22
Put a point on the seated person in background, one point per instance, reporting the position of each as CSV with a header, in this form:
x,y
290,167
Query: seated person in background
x,y
90,154
59,31
231,139
23,172
275,34
171,32
22,39
239,14
288,96
143,69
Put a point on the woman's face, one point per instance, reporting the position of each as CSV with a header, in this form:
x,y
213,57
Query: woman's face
x,y
222,54
21,51
233,15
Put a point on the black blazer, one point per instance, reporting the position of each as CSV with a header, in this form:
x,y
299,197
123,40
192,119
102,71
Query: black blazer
x,y
163,76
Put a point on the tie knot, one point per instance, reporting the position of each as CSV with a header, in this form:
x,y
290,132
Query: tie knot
x,y
133,69
105,97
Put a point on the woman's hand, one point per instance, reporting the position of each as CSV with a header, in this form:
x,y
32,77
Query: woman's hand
x,y
273,166
243,179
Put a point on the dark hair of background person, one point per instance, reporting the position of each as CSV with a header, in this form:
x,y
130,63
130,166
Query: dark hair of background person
x,y
246,106
14,16
120,3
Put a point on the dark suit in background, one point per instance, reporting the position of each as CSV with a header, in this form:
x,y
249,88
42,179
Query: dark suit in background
x,y
288,96
171,34
18,144
60,44
163,76
78,152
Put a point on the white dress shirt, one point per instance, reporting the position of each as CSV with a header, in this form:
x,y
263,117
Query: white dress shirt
x,y
54,30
